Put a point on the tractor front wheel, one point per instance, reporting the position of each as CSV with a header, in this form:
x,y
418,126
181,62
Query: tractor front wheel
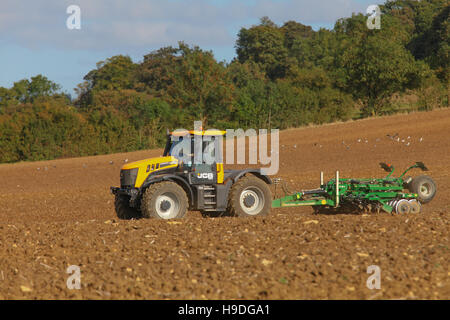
x,y
123,209
249,197
164,200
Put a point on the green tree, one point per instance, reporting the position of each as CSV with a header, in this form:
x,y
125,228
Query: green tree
x,y
25,90
40,86
295,31
264,44
115,73
376,64
191,81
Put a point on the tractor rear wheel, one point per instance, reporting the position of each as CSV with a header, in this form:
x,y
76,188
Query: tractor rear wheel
x,y
250,196
164,200
123,209
425,188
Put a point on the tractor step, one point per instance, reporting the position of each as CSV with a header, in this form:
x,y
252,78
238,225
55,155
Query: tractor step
x,y
209,198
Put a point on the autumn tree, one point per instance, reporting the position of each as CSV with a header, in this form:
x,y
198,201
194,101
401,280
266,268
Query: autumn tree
x,y
191,81
376,64
264,44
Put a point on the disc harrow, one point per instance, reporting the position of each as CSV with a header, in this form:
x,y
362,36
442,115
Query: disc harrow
x,y
401,195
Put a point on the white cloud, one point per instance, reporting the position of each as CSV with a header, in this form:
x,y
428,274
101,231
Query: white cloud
x,y
116,24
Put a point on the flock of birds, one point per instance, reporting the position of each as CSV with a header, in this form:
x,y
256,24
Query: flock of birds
x,y
84,165
124,161
396,138
407,141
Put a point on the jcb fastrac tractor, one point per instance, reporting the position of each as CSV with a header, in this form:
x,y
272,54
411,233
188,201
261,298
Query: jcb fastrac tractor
x,y
166,187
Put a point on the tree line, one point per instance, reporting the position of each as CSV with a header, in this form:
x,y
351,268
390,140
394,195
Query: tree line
x,y
283,76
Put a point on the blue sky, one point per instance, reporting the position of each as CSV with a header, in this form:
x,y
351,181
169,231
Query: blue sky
x,y
34,38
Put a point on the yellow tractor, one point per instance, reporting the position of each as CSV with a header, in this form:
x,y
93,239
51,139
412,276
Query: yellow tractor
x,y
166,187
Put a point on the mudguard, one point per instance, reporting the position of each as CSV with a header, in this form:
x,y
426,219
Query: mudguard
x,y
237,174
170,177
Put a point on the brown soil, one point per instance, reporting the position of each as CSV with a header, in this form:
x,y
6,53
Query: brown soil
x,y
60,213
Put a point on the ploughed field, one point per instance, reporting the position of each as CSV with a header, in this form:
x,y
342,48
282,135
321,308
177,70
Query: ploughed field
x,y
54,214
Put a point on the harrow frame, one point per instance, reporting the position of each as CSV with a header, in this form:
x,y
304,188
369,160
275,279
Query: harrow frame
x,y
360,194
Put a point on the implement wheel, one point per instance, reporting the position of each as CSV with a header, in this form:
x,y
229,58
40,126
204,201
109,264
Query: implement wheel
x,y
250,196
425,188
164,200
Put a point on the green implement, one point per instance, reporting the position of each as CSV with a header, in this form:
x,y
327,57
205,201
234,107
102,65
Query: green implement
x,y
400,195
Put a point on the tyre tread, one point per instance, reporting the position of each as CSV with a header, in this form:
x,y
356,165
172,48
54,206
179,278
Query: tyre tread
x,y
148,211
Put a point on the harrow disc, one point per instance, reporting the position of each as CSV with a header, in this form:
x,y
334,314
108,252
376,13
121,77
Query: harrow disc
x,y
403,207
415,206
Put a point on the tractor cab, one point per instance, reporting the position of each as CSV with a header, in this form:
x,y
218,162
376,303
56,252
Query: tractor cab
x,y
199,153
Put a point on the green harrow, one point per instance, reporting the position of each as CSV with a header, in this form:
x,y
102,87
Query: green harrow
x,y
400,195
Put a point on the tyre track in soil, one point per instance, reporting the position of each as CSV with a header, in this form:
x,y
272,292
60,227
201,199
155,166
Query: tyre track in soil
x,y
60,213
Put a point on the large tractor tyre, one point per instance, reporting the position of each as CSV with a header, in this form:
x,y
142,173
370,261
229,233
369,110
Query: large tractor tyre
x,y
164,200
249,197
425,188
123,209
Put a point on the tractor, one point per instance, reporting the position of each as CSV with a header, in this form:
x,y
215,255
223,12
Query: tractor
x,y
166,187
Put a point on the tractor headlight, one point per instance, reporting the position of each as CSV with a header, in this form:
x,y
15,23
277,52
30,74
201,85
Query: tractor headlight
x,y
128,177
